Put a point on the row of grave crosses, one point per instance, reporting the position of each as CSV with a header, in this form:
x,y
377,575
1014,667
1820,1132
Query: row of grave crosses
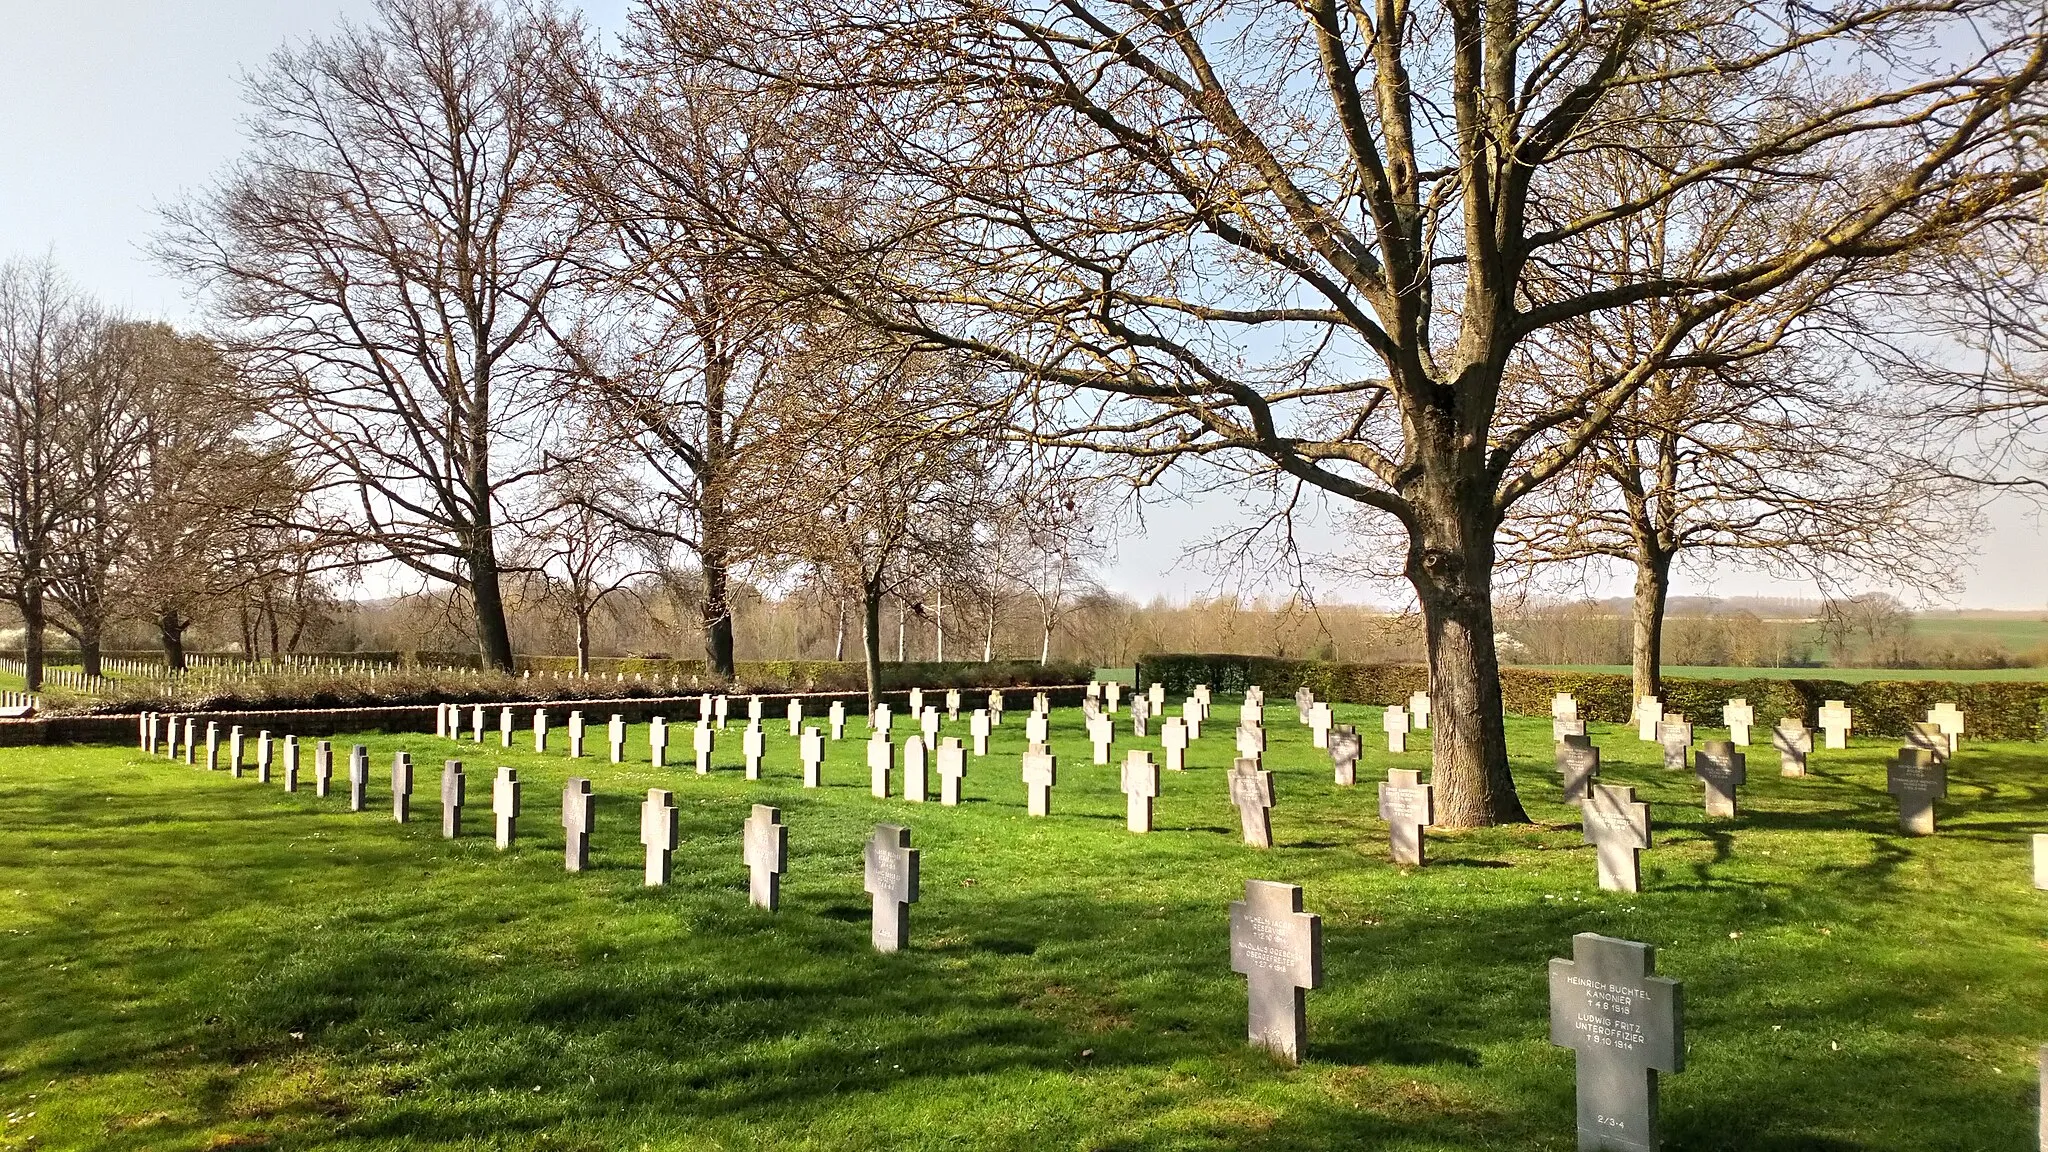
x,y
1624,1023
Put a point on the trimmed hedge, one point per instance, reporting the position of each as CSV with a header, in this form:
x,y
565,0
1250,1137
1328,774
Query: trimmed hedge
x,y
1994,710
833,675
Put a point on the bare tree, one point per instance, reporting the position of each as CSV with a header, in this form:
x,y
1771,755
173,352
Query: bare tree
x,y
48,337
583,554
382,256
1313,240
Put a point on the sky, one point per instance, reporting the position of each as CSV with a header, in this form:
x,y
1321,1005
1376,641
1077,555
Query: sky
x,y
111,108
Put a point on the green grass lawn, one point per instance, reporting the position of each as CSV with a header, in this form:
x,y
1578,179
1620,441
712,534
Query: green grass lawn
x,y
193,961
1849,675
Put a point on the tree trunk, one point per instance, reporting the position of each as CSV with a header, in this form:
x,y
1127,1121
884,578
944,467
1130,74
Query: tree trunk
x,y
871,641
939,625
902,632
839,641
717,612
33,620
1450,565
988,638
1653,589
171,627
89,645
583,643
493,635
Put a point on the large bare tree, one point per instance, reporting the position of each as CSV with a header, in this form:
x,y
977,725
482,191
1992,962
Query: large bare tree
x,y
1314,239
381,257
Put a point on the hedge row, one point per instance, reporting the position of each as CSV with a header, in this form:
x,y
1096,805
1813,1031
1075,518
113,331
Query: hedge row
x,y
1994,710
833,675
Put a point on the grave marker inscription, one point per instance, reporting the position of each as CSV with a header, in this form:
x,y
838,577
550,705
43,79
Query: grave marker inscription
x,y
1618,827
891,878
1278,948
1626,1025
1408,806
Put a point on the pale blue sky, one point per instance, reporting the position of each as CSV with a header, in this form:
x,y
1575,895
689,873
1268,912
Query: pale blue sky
x,y
109,108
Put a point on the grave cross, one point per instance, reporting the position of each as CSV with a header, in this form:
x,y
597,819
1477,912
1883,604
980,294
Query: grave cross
x,y
579,809
979,728
540,731
952,761
1929,736
235,752
452,794
1836,720
891,878
476,723
1140,786
1626,1026
1649,714
1619,829
1252,713
1041,772
1563,710
1191,714
882,721
881,761
1918,779
615,733
1141,716
212,745
837,717
916,701
1346,746
1319,721
1794,744
401,788
291,763
191,738
1394,721
754,745
952,705
928,724
1949,719
721,710
1674,733
995,708
796,716
658,832
703,741
1722,769
811,749
323,768
1251,790
1111,693
765,846
1418,710
1101,733
756,710
505,805
358,778
1173,738
504,727
575,735
915,777
1251,742
1578,763
1157,695
1738,717
1037,728
1408,806
1303,701
657,741
1279,950
263,754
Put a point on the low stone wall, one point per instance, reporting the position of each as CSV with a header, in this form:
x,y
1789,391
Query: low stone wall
x,y
125,729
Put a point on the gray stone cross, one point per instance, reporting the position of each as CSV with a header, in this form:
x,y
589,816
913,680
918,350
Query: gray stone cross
x,y
1674,734
952,762
263,755
1917,779
323,768
453,793
1578,764
1794,744
916,770
1141,716
1251,742
505,805
401,787
1618,827
1346,746
358,778
1140,785
579,810
1722,769
291,763
766,848
1279,950
658,832
1408,806
1626,1026
1041,773
235,756
1251,790
891,878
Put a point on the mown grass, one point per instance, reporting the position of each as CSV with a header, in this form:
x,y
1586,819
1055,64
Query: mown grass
x,y
193,961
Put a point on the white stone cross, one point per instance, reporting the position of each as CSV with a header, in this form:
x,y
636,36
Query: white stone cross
x,y
235,751
1418,710
952,704
796,716
1041,773
703,741
1191,713
212,745
1408,806
579,809
757,710
575,735
504,727
616,730
323,768
836,717
1618,827
1319,721
358,777
891,878
1346,746
401,786
765,846
291,763
881,761
1738,717
915,776
882,721
476,723
1949,719
1158,696
1111,693
916,701
721,710
1101,734
1794,744
454,790
1037,728
928,723
657,741
981,729
263,755
1140,787
1649,714
1251,790
995,708
1394,722
1141,716
952,761
1836,720
754,746
540,730
659,833
811,749
1173,738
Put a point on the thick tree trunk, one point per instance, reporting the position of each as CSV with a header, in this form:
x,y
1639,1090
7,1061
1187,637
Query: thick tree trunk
x,y
583,643
89,645
171,627
871,641
1450,564
33,620
718,656
493,635
1653,590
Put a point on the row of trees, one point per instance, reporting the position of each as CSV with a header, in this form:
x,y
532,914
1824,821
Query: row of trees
x,y
847,289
